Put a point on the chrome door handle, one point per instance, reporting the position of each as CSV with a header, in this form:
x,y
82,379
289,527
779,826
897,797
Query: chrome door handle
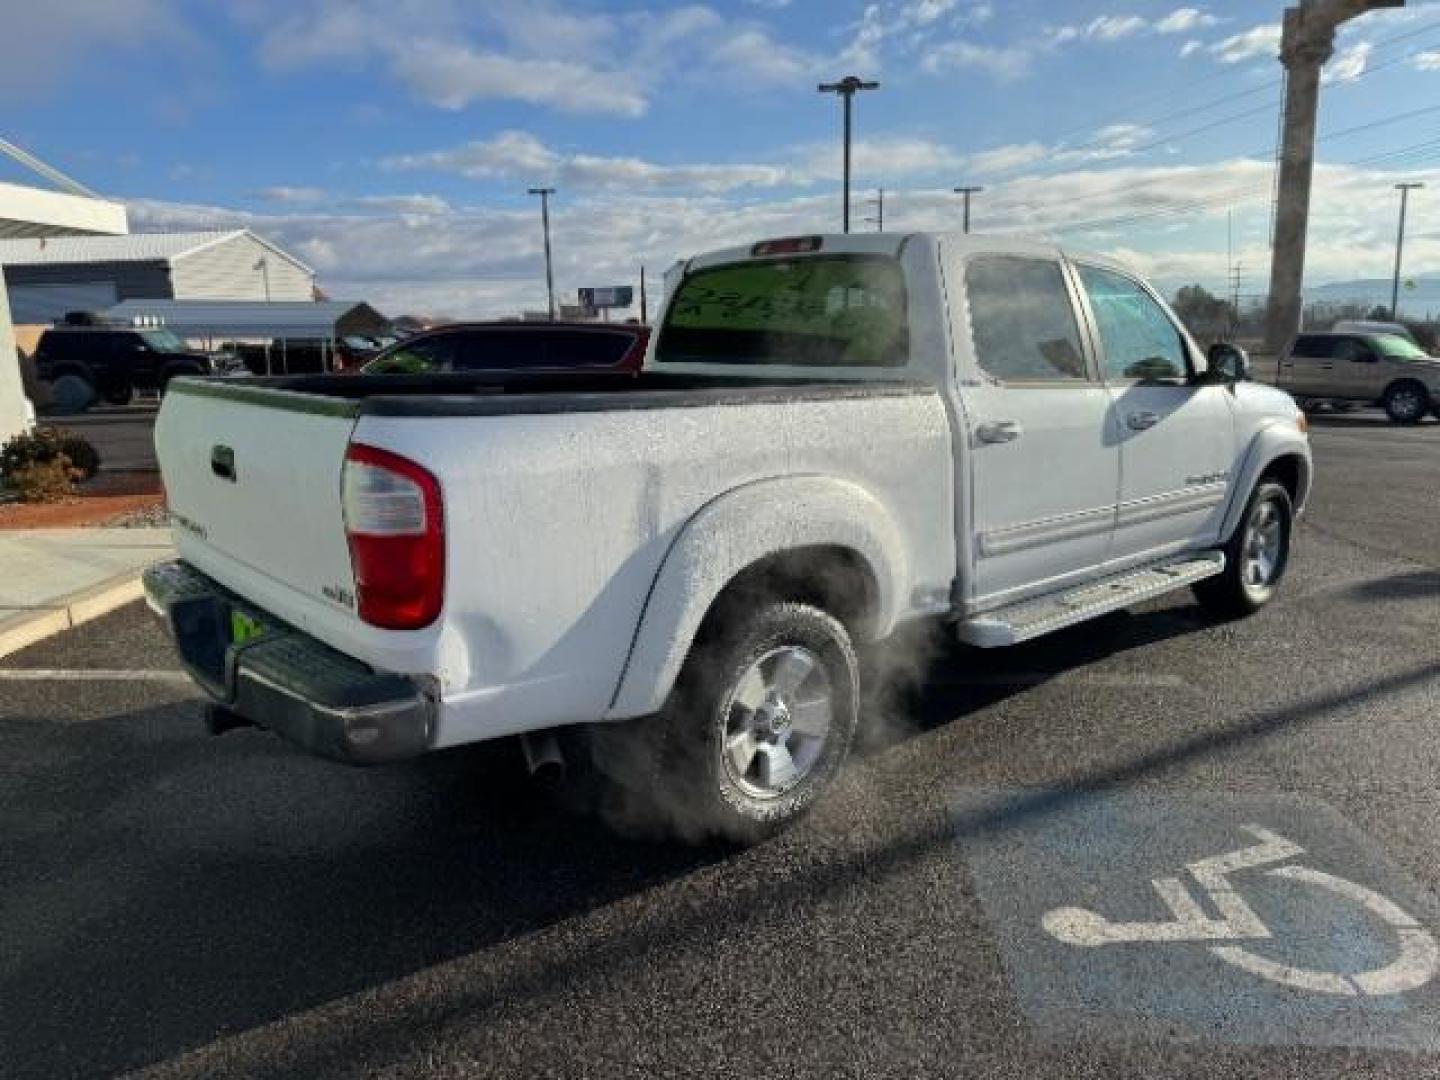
x,y
1142,421
999,431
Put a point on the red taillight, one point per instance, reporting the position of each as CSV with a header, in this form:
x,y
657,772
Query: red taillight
x,y
793,245
397,538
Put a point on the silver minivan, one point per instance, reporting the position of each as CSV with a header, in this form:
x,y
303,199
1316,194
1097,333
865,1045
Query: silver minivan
x,y
1378,369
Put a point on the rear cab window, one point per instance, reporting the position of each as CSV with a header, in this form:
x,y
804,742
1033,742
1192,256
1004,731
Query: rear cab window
x,y
821,311
1022,321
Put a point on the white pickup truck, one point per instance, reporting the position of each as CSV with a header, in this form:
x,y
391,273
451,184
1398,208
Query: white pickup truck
x,y
832,435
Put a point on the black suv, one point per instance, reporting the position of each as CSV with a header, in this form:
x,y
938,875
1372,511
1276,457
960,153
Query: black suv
x,y
114,363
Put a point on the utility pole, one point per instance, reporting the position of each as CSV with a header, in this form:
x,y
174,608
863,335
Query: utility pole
x,y
1404,190
879,203
1307,41
967,192
847,88
545,193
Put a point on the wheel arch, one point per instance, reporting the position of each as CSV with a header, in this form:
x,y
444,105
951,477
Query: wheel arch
x,y
1278,452
72,367
817,539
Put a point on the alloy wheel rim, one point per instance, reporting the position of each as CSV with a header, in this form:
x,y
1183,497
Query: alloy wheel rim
x,y
1261,553
1406,403
776,721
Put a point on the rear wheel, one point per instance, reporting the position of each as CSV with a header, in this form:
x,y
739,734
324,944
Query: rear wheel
x,y
760,721
1406,402
1255,558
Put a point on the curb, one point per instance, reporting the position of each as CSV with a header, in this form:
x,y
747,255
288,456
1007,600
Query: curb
x,y
70,611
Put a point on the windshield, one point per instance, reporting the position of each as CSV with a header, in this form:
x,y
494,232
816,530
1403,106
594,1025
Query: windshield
x,y
165,341
817,311
1397,348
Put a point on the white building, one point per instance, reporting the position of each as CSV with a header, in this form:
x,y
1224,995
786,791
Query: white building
x,y
31,213
48,277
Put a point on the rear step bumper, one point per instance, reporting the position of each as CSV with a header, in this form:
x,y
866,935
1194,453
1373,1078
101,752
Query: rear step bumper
x,y
286,681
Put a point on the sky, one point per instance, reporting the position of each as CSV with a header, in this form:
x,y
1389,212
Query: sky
x,y
389,143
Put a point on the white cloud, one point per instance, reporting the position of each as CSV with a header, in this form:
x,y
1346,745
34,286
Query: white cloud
x,y
402,204
1114,27
1184,20
927,11
285,194
1261,41
1349,64
752,51
1428,61
453,76
1008,158
521,157
453,54
1003,62
1191,47
469,262
43,43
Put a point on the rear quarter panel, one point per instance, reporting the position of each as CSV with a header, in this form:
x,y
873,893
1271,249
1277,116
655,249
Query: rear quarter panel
x,y
557,526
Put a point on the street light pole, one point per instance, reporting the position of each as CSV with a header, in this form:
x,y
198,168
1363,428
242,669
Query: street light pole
x,y
847,88
1404,190
545,193
967,192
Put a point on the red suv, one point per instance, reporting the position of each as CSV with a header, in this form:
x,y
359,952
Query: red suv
x,y
517,346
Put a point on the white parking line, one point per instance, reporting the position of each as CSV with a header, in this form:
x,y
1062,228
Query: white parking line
x,y
91,675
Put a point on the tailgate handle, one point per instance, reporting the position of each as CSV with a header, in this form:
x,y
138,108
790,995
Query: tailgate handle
x,y
222,462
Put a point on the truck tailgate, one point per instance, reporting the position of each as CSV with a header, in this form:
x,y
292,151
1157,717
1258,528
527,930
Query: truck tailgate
x,y
253,476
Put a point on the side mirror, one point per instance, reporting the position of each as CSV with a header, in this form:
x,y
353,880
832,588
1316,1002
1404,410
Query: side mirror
x,y
1229,362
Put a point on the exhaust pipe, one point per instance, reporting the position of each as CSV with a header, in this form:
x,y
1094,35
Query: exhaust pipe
x,y
542,757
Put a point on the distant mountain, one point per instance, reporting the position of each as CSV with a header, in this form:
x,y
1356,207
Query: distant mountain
x,y
1425,297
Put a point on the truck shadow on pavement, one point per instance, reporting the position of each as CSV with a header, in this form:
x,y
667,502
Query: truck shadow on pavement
x,y
165,890
1420,585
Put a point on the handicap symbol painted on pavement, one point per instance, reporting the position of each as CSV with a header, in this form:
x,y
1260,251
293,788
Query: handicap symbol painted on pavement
x,y
1203,916
1414,966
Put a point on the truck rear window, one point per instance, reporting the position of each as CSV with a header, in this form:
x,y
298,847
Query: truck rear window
x,y
814,311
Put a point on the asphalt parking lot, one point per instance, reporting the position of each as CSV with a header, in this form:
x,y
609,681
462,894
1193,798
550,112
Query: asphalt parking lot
x,y
1153,846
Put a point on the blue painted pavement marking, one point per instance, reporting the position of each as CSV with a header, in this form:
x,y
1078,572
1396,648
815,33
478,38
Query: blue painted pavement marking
x,y
1207,917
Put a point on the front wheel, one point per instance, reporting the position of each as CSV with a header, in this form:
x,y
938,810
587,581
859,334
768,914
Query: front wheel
x,y
1255,558
760,722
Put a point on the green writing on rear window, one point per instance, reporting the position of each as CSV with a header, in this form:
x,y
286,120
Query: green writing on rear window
x,y
815,311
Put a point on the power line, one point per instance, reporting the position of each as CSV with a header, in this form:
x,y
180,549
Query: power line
x,y
1425,149
1225,99
1151,184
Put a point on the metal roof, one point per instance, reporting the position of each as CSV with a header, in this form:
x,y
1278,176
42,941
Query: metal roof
x,y
136,247
247,318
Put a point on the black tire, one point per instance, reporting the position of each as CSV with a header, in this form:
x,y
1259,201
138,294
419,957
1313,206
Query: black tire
x,y
1232,594
694,788
119,395
71,392
1406,401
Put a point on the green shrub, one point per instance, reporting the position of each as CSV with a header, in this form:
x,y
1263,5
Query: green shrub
x,y
44,481
44,445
